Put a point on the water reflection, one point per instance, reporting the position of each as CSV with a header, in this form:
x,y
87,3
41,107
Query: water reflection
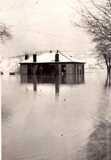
x,y
99,143
77,124
108,80
6,113
57,79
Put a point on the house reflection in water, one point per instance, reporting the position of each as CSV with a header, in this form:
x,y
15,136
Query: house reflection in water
x,y
56,80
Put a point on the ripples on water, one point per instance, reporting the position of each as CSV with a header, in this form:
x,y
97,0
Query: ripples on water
x,y
99,144
49,118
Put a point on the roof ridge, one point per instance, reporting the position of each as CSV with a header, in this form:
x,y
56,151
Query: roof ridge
x,y
66,56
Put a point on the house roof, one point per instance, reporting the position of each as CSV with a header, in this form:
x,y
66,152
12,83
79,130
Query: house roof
x,y
49,57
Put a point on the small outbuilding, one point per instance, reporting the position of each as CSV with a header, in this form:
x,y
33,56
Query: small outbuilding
x,y
51,63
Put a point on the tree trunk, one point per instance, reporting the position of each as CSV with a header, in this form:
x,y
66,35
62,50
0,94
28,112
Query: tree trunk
x,y
108,65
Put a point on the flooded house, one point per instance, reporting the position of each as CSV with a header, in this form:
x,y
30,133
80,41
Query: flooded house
x,y
51,68
51,63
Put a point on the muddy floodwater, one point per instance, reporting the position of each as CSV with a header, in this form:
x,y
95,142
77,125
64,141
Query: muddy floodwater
x,y
52,119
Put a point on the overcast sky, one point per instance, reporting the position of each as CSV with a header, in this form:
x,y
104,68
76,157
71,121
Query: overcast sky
x,y
42,25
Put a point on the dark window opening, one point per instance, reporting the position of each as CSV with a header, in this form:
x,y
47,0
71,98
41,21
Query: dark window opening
x,y
63,69
46,69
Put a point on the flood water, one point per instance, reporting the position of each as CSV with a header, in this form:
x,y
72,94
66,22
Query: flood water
x,y
53,119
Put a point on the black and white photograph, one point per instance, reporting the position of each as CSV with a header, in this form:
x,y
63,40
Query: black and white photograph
x,y
55,79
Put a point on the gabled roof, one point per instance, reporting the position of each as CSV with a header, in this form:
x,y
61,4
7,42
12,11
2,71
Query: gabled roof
x,y
49,57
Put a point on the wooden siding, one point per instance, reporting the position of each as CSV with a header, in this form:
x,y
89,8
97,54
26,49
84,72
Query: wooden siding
x,y
51,68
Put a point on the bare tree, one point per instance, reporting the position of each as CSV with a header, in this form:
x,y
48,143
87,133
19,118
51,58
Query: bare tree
x,y
97,23
4,32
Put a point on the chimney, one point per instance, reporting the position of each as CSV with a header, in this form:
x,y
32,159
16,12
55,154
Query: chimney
x,y
26,56
50,51
57,56
34,57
